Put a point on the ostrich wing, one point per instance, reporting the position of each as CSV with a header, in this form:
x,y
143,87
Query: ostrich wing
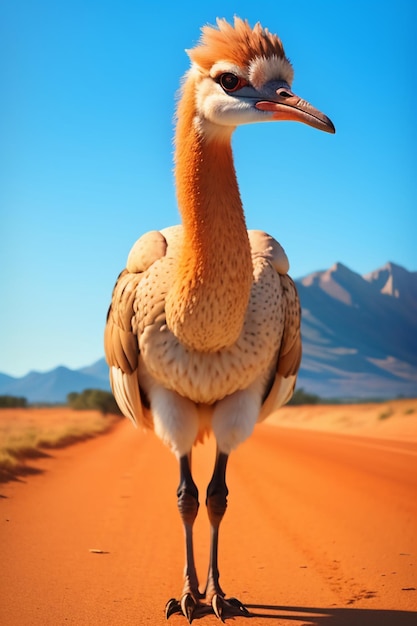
x,y
120,338
289,356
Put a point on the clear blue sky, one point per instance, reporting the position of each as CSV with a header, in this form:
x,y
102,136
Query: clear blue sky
x,y
86,126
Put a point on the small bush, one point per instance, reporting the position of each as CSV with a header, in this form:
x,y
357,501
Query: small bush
x,y
94,400
302,397
12,402
386,414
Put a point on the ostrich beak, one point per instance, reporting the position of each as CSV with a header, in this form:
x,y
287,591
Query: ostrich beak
x,y
285,105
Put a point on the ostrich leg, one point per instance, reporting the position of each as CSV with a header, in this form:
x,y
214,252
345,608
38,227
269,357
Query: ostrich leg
x,y
187,494
190,604
216,502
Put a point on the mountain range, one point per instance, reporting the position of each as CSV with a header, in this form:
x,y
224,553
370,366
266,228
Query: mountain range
x,y
359,333
359,341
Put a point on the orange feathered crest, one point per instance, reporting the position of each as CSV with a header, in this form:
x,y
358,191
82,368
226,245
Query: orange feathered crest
x,y
238,44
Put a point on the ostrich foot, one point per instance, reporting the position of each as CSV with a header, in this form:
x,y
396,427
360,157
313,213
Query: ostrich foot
x,y
228,607
187,606
191,609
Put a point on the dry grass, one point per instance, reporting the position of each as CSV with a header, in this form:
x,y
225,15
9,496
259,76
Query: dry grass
x,y
26,433
393,419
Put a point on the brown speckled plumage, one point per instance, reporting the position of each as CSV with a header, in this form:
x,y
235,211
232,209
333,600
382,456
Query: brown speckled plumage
x,y
137,324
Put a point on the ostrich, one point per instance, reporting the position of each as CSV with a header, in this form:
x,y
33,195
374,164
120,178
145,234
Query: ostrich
x,y
203,331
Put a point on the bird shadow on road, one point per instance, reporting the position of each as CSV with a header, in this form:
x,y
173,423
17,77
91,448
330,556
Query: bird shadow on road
x,y
313,616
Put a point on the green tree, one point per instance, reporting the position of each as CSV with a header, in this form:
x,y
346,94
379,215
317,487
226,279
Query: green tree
x,y
302,397
93,400
11,402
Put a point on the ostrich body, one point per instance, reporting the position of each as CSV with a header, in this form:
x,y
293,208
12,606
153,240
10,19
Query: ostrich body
x,y
203,332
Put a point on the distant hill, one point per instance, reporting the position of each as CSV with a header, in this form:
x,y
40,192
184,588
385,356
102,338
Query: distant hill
x,y
359,341
359,332
53,386
99,370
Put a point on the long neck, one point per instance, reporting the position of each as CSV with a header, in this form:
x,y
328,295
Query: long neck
x,y
207,301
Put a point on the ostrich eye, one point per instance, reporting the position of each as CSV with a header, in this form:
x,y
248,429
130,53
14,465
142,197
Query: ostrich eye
x,y
230,82
285,94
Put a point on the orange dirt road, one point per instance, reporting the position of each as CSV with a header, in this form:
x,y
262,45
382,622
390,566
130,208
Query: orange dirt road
x,y
321,529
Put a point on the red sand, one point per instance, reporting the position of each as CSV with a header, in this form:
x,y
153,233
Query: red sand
x,y
320,530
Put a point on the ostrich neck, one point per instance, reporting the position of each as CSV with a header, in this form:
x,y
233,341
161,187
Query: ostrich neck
x,y
207,301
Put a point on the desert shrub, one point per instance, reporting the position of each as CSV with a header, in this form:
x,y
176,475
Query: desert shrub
x,y
12,402
95,400
302,397
386,414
